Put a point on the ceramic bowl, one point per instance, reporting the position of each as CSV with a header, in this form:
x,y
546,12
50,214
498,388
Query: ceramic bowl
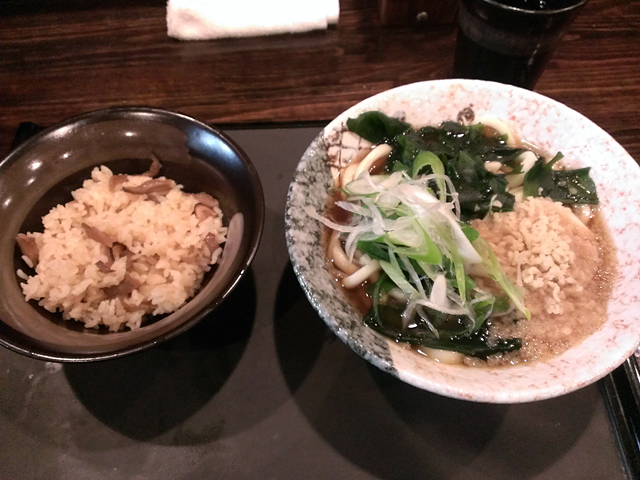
x,y
42,172
540,120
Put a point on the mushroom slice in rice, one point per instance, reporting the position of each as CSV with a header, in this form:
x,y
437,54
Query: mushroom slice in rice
x,y
97,235
152,186
153,197
116,180
145,306
120,250
124,288
105,267
28,247
154,169
206,199
203,212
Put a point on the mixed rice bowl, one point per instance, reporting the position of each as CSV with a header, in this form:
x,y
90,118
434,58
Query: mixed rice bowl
x,y
124,248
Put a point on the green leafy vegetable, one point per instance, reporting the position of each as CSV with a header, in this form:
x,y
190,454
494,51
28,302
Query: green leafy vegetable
x,y
476,345
566,186
388,321
462,151
376,126
399,167
477,187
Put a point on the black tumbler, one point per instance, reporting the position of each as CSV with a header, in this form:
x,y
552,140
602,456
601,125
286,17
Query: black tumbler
x,y
509,44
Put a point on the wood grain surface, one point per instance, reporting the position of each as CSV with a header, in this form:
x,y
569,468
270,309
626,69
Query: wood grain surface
x,y
65,57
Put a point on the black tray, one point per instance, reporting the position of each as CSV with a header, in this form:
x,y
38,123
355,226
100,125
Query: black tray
x,y
261,389
621,391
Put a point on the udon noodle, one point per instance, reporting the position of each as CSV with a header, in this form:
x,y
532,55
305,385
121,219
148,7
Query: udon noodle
x,y
495,257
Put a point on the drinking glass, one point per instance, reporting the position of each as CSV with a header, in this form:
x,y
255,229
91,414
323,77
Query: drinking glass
x,y
510,41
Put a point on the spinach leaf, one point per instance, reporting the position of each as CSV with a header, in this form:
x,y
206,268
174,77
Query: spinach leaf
x,y
566,186
457,333
463,152
506,155
478,189
576,185
388,322
376,126
408,146
477,344
399,167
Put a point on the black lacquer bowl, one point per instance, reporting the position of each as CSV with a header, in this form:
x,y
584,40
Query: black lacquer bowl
x,y
42,173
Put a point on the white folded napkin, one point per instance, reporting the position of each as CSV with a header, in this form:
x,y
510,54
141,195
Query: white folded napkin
x,y
208,19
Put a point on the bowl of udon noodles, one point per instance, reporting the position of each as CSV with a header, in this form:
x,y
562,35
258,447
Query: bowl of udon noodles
x,y
472,239
122,228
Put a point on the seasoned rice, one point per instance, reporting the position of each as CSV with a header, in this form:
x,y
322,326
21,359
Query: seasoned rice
x,y
166,253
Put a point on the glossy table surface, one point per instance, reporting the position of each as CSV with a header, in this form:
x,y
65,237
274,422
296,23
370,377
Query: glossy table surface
x,y
262,389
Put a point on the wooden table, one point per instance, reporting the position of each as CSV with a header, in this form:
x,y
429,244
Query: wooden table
x,y
65,57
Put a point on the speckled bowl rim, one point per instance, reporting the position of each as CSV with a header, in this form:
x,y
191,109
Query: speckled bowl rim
x,y
576,368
